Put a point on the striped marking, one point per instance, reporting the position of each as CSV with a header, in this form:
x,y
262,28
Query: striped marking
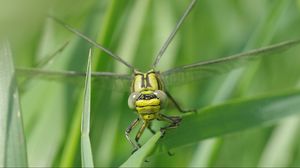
x,y
146,81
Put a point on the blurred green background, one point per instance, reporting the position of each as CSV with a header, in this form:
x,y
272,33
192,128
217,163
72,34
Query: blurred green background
x,y
136,30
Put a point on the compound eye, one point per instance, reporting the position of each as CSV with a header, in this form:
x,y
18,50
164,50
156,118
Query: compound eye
x,y
132,99
162,97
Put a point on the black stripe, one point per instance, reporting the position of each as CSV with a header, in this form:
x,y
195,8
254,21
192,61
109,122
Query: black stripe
x,y
143,82
147,80
133,85
142,78
158,83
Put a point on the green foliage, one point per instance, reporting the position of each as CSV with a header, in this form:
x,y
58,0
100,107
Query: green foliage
x,y
233,116
227,104
139,157
86,151
12,141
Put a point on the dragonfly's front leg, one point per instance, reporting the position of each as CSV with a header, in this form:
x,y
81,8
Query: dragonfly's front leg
x,y
129,129
178,106
150,128
139,134
173,120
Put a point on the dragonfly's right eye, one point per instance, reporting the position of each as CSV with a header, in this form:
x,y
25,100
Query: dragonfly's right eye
x,y
132,99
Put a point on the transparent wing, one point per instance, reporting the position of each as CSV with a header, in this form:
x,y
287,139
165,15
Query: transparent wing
x,y
120,82
200,70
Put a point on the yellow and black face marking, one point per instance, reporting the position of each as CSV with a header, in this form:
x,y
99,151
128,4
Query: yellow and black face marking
x,y
146,81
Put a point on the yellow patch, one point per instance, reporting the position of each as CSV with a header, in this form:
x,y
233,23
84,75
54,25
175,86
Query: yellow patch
x,y
149,116
148,109
138,79
151,102
147,92
153,81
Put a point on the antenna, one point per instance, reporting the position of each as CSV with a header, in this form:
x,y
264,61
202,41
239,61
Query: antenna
x,y
173,33
73,30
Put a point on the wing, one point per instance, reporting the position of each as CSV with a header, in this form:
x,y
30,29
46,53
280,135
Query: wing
x,y
200,70
103,79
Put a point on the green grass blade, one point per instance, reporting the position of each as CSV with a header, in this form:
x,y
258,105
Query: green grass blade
x,y
12,141
232,117
281,145
86,151
138,158
206,153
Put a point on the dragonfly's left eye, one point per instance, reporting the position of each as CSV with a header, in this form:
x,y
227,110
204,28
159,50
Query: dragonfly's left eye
x,y
162,97
132,99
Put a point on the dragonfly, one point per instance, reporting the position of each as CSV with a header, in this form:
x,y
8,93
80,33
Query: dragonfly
x,y
149,90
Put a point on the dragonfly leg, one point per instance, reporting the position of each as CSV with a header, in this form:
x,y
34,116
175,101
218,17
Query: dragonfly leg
x,y
180,109
173,120
150,128
139,134
129,129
